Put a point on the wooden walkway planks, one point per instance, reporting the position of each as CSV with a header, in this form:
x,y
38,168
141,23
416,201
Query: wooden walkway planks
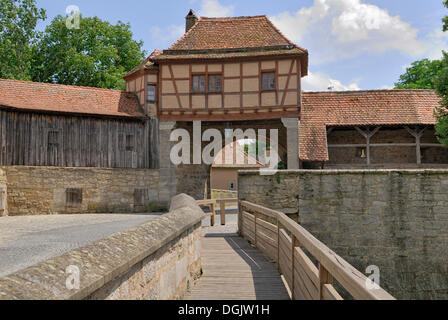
x,y
233,270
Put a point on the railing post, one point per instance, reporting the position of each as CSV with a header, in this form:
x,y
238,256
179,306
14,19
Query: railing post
x,y
279,226
240,218
212,217
223,212
255,228
324,278
293,277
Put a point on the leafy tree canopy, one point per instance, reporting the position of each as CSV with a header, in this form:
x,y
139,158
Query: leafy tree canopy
x,y
420,75
97,54
445,19
18,21
441,86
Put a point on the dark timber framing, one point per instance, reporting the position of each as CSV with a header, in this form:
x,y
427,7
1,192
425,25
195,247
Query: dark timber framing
x,y
369,132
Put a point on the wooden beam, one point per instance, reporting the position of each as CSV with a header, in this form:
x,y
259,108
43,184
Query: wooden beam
x,y
287,83
368,134
417,134
279,227
175,86
373,145
241,85
324,278
255,228
222,207
277,87
294,244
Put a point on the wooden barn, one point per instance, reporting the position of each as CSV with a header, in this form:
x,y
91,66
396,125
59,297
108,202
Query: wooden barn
x,y
67,126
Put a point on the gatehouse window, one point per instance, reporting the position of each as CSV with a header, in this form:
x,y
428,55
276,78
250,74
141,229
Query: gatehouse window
x,y
214,83
199,83
151,93
268,80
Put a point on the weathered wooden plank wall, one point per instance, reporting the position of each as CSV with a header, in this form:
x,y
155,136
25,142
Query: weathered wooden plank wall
x,y
34,139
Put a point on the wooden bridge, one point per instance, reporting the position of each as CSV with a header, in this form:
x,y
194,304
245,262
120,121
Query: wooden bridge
x,y
274,258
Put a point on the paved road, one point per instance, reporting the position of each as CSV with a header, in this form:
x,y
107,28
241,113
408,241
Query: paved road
x,y
25,241
231,227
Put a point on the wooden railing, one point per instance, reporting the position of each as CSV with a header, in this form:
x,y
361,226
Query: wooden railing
x,y
284,243
213,204
224,194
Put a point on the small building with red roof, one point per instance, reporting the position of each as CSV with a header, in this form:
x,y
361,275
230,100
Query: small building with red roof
x,y
375,128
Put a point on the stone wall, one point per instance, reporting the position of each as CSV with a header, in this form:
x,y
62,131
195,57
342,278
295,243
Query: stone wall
x,y
159,260
396,220
278,192
193,180
3,194
43,190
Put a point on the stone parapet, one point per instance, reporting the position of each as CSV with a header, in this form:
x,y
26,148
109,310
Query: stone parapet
x,y
158,260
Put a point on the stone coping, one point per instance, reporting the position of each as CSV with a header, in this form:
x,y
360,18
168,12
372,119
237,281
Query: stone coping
x,y
347,171
102,261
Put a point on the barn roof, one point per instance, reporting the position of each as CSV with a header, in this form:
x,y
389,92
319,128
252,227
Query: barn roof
x,y
55,98
360,108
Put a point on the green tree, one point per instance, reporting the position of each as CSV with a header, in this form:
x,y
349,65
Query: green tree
x,y
421,75
445,19
256,147
18,21
98,54
441,86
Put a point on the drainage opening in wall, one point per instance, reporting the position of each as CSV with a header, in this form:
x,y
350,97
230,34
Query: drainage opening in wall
x,y
141,200
73,197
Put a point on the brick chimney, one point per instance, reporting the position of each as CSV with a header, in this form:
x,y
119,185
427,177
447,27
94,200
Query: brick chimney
x,y
190,20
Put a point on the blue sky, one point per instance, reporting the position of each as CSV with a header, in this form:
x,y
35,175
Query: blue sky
x,y
353,44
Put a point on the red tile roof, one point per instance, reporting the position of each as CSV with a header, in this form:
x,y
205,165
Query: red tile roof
x,y
215,38
360,108
34,96
146,64
231,33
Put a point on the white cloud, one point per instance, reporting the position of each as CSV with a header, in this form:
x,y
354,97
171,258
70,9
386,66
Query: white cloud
x,y
342,29
212,8
321,82
435,43
168,35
